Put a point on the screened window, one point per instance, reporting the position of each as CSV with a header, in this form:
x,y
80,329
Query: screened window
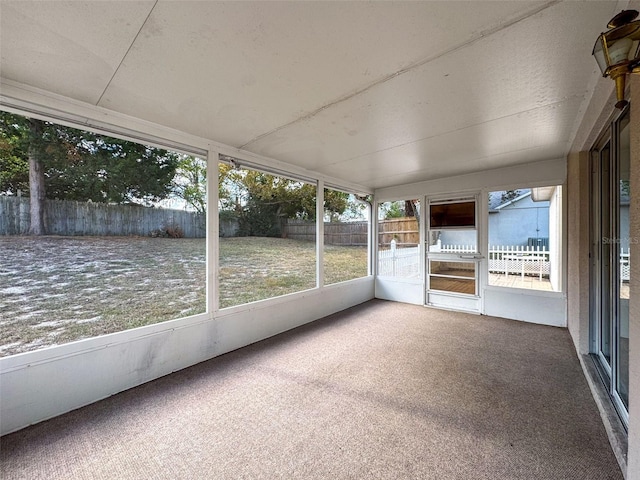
x,y
399,239
525,244
263,253
346,236
104,236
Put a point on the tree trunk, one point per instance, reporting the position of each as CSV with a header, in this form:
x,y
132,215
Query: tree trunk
x,y
36,179
410,210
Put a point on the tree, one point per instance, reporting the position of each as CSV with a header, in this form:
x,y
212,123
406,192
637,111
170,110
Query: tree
x,y
14,157
84,166
190,182
268,200
262,201
58,162
412,209
337,205
36,178
392,210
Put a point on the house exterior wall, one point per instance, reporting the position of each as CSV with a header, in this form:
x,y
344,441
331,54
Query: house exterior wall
x,y
512,225
458,237
578,250
578,201
516,223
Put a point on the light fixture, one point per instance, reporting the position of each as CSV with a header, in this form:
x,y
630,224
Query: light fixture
x,y
617,50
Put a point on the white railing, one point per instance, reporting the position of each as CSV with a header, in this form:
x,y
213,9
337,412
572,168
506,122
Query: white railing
x,y
511,259
507,260
624,265
519,260
399,262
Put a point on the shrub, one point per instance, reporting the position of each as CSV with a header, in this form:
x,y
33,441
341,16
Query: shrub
x,y
167,231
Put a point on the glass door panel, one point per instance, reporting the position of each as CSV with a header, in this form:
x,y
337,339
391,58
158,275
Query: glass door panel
x,y
452,227
610,252
622,256
452,276
604,336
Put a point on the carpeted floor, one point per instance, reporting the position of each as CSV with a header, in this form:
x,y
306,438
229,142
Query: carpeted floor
x,y
383,390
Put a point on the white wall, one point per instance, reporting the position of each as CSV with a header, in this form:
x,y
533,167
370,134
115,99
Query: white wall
x,y
544,308
51,381
555,239
46,383
403,290
547,308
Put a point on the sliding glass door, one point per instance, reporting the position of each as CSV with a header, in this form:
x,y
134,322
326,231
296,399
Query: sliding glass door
x,y
610,273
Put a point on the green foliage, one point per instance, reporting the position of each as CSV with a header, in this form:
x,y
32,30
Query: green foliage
x,y
190,182
392,210
263,202
81,165
259,219
337,204
14,164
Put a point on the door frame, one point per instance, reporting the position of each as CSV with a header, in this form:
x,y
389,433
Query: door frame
x,y
608,369
471,303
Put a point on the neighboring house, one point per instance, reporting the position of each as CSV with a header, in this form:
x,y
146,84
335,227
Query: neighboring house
x,y
520,221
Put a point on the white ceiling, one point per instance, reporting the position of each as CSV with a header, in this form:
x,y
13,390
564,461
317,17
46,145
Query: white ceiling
x,y
377,94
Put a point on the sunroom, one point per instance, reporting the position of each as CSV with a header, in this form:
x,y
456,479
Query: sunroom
x,y
459,164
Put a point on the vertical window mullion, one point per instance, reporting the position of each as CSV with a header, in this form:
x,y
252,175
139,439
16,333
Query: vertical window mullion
x,y
213,229
320,234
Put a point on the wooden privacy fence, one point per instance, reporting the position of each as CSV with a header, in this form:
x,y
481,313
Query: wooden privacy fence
x,y
63,217
404,230
335,233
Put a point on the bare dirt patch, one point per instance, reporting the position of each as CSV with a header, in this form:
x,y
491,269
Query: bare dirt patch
x,y
54,290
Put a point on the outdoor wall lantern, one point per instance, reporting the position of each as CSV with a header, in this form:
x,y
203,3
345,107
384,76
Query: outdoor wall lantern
x,y
617,50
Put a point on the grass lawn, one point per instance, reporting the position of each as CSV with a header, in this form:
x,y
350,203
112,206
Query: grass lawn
x,y
55,290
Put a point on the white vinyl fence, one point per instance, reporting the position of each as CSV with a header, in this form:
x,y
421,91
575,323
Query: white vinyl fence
x,y
399,262
507,260
624,265
511,259
519,260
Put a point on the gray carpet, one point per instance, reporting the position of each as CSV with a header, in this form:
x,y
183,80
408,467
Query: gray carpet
x,y
383,390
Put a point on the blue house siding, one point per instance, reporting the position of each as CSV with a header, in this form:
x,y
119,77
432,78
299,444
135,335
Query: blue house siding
x,y
510,224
